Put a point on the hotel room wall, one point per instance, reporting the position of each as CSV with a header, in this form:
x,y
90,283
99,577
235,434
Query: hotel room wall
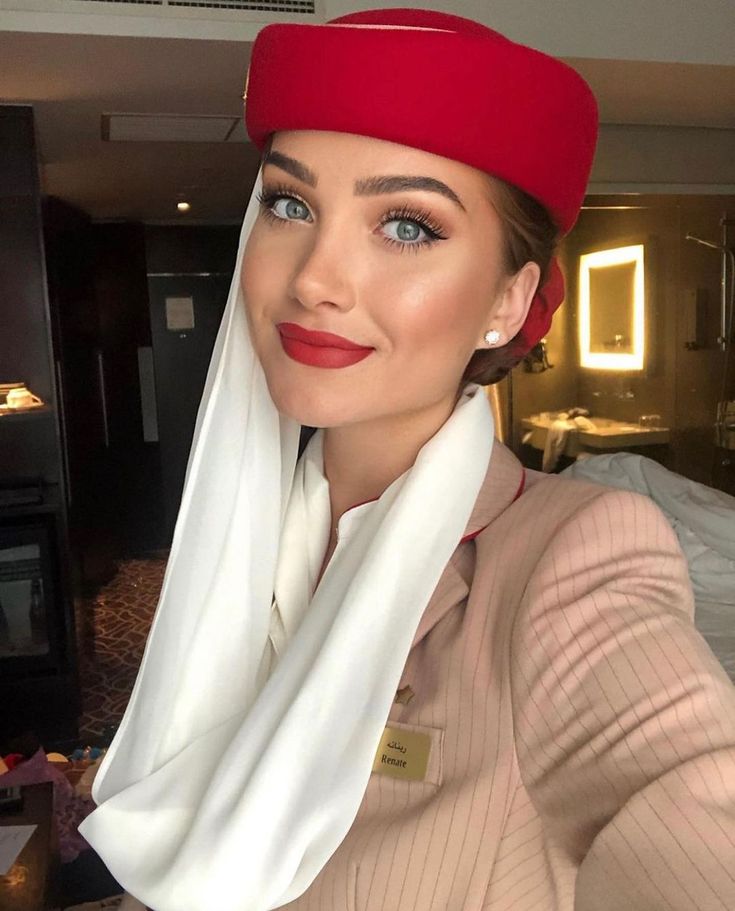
x,y
681,383
699,371
134,465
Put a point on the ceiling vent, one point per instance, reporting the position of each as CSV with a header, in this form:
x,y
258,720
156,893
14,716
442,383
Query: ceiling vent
x,y
172,128
274,6
129,2
200,20
290,7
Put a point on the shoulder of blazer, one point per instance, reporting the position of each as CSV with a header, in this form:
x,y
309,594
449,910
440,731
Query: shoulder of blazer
x,y
538,527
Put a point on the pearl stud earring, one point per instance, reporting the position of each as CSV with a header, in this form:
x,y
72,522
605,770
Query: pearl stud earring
x,y
492,337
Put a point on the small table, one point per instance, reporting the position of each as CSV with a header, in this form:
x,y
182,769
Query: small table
x,y
29,884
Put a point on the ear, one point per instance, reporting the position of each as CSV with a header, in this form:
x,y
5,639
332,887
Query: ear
x,y
511,307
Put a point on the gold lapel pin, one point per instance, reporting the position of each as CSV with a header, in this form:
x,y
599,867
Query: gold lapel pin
x,y
404,695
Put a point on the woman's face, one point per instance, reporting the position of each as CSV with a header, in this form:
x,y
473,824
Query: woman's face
x,y
396,251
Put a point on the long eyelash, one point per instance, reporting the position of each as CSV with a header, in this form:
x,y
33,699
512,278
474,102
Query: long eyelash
x,y
269,195
422,218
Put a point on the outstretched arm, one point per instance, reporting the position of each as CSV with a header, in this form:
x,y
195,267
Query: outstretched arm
x,y
625,722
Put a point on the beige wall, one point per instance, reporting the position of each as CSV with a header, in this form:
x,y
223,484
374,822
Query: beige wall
x,y
658,30
638,158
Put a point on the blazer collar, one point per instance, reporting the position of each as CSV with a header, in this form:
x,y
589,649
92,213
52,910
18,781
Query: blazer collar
x,y
502,485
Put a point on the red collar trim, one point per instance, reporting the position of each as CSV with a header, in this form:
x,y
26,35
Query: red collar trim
x,y
472,535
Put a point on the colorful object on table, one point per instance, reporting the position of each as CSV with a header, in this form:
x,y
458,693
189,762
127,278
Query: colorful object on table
x,y
87,754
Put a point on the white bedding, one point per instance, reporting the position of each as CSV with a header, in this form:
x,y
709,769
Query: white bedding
x,y
704,522
716,622
702,517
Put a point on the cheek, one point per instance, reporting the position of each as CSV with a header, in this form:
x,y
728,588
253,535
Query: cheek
x,y
438,310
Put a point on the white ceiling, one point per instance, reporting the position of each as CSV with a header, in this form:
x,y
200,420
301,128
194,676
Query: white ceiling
x,y
72,80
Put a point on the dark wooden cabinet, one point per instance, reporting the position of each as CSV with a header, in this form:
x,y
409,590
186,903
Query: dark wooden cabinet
x,y
90,506
39,687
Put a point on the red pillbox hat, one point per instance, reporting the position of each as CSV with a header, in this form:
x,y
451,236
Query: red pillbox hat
x,y
443,84
436,82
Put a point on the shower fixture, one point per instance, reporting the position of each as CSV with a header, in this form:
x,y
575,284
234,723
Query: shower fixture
x,y
725,321
725,417
707,243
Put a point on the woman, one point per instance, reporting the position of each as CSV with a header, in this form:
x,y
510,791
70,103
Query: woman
x,y
472,690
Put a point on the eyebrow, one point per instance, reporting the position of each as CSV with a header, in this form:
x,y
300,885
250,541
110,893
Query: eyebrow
x,y
374,186
368,186
291,166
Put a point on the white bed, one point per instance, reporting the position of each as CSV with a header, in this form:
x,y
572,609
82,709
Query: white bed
x,y
716,622
704,521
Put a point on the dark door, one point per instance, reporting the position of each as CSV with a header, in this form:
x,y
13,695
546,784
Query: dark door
x,y
185,311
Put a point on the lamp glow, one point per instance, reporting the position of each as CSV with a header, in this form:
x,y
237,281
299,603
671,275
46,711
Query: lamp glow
x,y
602,259
183,206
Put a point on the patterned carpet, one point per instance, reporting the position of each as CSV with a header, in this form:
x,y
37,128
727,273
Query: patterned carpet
x,y
122,614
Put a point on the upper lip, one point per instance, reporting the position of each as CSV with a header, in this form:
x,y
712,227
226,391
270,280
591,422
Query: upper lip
x,y
319,339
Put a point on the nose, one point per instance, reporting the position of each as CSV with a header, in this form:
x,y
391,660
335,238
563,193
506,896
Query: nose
x,y
324,277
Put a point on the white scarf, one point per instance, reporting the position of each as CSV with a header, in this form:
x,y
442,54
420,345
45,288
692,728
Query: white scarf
x,y
224,787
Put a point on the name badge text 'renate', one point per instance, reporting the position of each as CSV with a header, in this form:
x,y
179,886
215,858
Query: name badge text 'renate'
x,y
403,754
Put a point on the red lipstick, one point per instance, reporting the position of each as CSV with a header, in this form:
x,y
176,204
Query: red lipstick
x,y
320,349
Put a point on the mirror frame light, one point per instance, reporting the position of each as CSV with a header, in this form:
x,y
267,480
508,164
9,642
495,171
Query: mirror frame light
x,y
618,256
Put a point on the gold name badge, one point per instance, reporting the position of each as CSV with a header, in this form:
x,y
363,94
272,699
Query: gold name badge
x,y
403,754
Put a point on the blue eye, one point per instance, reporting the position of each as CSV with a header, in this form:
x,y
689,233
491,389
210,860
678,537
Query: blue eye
x,y
291,209
283,207
410,229
405,231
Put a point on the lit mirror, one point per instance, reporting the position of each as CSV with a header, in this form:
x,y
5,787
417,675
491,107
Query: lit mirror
x,y
612,308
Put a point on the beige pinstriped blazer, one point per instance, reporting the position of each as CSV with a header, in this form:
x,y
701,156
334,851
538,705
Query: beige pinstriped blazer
x,y
583,735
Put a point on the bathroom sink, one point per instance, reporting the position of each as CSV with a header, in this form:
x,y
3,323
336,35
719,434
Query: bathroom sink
x,y
608,434
603,425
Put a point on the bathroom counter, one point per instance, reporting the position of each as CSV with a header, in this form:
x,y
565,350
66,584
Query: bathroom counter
x,y
607,435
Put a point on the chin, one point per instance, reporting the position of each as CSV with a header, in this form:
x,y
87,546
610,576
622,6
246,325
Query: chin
x,y
309,405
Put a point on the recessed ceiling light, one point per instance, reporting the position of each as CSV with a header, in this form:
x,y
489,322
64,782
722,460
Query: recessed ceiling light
x,y
183,206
